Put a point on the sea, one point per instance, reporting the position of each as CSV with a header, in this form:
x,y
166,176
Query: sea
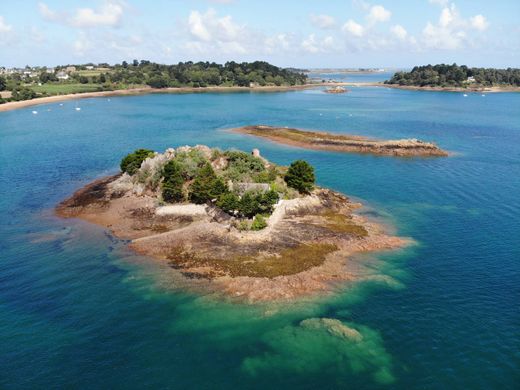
x,y
80,310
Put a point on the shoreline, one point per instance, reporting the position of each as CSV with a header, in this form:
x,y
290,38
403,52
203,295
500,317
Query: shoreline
x,y
452,89
10,106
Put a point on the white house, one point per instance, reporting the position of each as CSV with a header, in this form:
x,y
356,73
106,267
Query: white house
x,y
61,75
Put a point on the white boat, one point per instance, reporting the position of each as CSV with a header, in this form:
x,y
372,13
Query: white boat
x,y
465,95
35,112
78,108
483,95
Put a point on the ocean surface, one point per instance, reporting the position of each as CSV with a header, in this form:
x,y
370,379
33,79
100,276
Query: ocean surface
x,y
352,77
79,310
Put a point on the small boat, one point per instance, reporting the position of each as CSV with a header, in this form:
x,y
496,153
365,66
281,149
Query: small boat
x,y
35,112
61,104
465,95
483,95
78,108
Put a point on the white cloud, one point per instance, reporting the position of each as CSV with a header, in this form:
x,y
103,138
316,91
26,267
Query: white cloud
x,y
442,3
209,32
197,27
278,42
314,45
399,32
451,31
210,27
479,22
47,13
4,27
353,28
109,14
323,21
377,14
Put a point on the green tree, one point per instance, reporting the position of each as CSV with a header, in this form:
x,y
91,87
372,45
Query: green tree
x,y
206,186
3,83
173,182
228,202
300,176
132,162
249,205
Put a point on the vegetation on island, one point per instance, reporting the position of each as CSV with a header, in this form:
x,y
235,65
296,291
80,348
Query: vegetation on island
x,y
242,185
29,83
443,75
300,175
132,162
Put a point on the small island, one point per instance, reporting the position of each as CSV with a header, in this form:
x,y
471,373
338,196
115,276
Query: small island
x,y
335,90
344,143
232,221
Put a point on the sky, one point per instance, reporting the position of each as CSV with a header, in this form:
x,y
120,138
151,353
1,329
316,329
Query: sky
x,y
289,33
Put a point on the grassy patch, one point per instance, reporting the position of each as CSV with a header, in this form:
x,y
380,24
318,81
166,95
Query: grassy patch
x,y
340,223
288,262
66,88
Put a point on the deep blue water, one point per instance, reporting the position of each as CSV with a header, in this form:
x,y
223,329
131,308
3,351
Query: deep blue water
x,y
79,310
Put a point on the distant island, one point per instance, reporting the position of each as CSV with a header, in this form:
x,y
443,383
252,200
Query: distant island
x,y
35,82
231,220
455,77
343,143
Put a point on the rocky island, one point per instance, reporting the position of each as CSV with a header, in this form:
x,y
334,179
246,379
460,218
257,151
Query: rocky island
x,y
335,90
344,143
232,220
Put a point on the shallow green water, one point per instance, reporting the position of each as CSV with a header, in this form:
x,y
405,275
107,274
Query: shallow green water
x,y
79,310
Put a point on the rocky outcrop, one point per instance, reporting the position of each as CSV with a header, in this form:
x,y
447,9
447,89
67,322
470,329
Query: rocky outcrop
x,y
344,143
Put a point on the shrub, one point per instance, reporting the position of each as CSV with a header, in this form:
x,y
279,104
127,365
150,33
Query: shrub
x,y
132,162
190,162
266,176
259,223
243,225
257,203
228,202
242,165
172,192
300,176
207,185
249,205
173,181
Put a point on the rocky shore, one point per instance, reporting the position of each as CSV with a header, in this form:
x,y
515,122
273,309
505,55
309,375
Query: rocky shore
x,y
305,247
344,143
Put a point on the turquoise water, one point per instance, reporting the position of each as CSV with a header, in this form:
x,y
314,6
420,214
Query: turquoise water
x,y
79,310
